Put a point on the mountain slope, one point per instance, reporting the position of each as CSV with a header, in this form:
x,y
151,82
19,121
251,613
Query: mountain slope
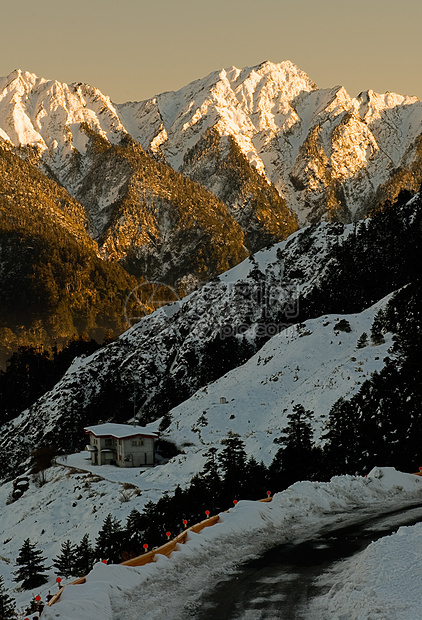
x,y
218,163
168,355
159,224
53,283
140,212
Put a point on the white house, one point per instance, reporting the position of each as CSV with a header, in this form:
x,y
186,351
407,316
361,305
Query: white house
x,y
121,444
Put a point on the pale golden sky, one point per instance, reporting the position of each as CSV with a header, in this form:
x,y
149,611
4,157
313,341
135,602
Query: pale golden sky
x,y
134,49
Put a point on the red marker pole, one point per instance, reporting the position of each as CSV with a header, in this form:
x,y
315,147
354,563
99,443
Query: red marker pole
x,y
38,601
168,534
268,494
185,522
145,547
104,561
235,502
207,513
58,581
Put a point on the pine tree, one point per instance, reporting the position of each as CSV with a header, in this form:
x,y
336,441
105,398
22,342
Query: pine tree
x,y
7,604
233,464
84,557
377,336
343,433
257,479
159,517
109,540
65,562
362,341
296,460
200,498
31,566
211,478
134,532
298,433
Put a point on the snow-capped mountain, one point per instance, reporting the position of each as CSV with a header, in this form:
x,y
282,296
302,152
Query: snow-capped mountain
x,y
139,211
327,154
47,115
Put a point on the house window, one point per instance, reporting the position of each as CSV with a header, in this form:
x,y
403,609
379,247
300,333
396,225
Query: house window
x,y
137,442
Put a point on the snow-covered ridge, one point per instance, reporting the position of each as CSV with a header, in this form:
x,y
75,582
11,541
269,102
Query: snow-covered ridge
x,y
301,138
42,113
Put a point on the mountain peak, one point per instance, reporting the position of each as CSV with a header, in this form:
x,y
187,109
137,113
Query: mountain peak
x,y
16,73
25,79
283,72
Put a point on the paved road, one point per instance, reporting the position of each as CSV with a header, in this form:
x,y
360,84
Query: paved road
x,y
279,583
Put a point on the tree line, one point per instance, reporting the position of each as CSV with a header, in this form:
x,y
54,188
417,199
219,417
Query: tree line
x,y
33,370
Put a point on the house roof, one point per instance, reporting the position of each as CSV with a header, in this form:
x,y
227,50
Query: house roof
x,y
119,431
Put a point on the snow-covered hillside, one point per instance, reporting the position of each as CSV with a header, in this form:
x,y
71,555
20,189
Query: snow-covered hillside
x,y
171,587
312,364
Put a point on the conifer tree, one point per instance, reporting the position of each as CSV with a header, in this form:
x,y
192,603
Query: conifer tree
x,y
362,341
84,557
7,604
233,464
197,498
377,326
31,566
109,540
343,433
134,531
65,562
257,479
296,459
211,478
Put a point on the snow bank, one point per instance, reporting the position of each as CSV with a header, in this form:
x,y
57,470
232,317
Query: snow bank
x,y
164,587
384,582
